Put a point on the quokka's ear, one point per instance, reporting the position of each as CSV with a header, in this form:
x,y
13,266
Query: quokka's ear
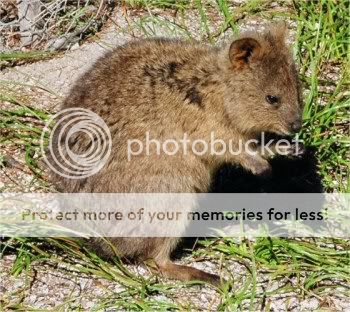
x,y
244,51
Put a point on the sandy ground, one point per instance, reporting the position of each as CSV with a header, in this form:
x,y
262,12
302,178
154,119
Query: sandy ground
x,y
47,286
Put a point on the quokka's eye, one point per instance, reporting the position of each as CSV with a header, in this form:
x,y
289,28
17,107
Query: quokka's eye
x,y
272,99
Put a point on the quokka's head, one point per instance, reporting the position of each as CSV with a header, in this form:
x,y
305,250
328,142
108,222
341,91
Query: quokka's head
x,y
262,87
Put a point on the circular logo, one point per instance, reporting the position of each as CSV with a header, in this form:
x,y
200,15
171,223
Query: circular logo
x,y
76,143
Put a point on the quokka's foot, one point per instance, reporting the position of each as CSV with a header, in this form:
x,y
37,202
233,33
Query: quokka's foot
x,y
186,273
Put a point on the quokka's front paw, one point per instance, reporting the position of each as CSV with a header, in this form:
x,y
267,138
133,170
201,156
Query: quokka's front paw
x,y
293,149
257,165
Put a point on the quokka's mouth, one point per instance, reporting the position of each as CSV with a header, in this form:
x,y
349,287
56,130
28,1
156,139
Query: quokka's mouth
x,y
281,132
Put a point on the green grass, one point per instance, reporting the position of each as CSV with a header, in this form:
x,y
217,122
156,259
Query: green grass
x,y
308,268
164,4
324,39
311,264
27,56
22,127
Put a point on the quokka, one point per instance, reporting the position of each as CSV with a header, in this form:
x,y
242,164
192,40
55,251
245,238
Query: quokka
x,y
169,87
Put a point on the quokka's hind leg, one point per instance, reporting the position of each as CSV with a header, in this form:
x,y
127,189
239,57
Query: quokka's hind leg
x,y
185,273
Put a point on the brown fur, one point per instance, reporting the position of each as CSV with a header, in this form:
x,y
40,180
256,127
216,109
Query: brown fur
x,y
171,87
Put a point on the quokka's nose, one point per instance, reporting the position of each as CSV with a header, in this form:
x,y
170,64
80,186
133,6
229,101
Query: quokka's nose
x,y
295,126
